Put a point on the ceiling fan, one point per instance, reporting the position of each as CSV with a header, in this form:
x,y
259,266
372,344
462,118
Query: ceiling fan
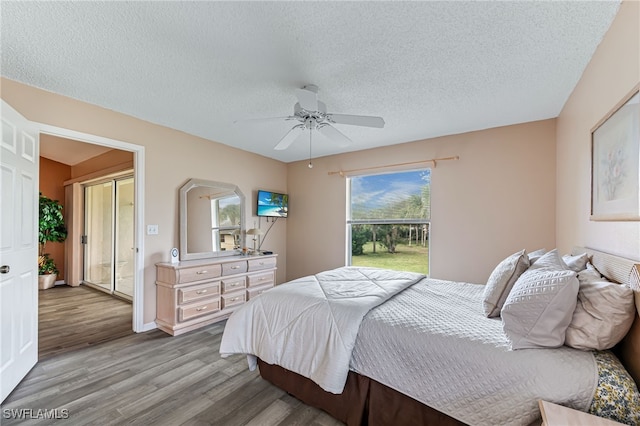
x,y
311,114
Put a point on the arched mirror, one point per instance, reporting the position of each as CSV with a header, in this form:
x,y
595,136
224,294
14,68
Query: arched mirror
x,y
211,219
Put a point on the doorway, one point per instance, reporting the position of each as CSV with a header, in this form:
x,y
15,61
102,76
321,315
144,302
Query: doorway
x,y
75,196
108,236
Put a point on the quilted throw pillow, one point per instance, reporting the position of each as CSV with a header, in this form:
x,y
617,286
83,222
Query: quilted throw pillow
x,y
551,260
539,308
603,316
501,281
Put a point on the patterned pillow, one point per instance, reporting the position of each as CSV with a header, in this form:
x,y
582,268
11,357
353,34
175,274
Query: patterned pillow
x,y
616,397
551,260
501,280
539,308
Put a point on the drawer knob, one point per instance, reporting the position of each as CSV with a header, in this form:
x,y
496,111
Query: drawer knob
x,y
235,284
235,267
201,308
201,291
262,278
234,299
261,263
201,272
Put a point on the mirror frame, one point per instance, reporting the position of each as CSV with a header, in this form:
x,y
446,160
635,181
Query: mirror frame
x,y
192,183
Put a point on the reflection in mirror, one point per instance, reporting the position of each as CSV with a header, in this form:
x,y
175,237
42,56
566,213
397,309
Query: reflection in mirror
x,y
211,219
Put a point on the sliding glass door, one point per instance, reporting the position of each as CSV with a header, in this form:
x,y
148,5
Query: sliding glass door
x,y
124,237
108,236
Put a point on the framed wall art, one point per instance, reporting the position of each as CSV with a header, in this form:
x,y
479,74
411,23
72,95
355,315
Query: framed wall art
x,y
615,162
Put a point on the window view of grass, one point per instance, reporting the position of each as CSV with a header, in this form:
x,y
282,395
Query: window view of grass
x,y
414,258
389,217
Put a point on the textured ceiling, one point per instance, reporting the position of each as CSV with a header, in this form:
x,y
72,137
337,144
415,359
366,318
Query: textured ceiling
x,y
429,68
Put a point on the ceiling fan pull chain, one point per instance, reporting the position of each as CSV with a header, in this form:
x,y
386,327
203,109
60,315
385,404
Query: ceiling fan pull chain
x,y
310,136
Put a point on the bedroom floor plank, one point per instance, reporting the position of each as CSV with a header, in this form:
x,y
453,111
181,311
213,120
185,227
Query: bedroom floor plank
x,y
152,378
70,318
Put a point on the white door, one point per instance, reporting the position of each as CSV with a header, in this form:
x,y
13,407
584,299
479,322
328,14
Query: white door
x,y
19,160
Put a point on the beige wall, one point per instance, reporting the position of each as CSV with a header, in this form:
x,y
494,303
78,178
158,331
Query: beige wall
x,y
172,157
499,197
613,71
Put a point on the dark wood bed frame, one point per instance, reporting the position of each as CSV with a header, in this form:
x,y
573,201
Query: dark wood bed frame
x,y
367,402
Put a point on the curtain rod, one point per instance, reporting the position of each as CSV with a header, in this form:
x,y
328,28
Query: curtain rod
x,y
432,160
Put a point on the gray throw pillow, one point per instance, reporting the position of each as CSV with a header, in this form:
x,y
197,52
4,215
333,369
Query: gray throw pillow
x,y
535,255
551,260
576,263
501,281
539,308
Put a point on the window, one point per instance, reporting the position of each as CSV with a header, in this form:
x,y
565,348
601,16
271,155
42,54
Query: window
x,y
388,220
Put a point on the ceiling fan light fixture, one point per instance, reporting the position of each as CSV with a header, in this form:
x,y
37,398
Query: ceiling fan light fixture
x,y
312,114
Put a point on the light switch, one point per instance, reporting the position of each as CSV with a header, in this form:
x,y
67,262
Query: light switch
x,y
152,229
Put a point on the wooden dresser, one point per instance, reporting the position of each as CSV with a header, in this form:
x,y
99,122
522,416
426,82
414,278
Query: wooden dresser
x,y
194,293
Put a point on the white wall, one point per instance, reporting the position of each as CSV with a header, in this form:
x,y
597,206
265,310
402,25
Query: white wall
x,y
613,71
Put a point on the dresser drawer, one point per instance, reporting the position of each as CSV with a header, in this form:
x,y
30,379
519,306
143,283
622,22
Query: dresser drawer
x,y
233,268
261,279
189,294
198,309
233,299
265,263
252,293
233,284
198,273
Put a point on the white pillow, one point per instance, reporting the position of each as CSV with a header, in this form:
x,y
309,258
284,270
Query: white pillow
x,y
501,281
539,308
535,255
603,316
590,273
551,261
576,263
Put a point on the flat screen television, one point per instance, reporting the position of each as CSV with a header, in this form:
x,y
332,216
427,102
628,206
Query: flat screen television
x,y
272,204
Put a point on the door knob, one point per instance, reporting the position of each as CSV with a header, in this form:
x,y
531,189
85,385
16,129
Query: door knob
x,y
4,269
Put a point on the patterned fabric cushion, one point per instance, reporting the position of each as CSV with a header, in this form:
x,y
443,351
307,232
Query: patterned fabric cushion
x,y
616,397
539,308
501,281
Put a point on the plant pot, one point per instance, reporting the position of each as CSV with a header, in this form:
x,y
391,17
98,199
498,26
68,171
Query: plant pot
x,y
46,281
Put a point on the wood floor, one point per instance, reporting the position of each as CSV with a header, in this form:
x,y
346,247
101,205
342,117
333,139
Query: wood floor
x,y
71,318
155,379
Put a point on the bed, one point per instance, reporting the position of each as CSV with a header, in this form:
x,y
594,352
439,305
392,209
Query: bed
x,y
385,369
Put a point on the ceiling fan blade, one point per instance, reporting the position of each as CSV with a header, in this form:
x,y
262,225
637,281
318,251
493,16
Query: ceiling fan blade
x,y
308,97
265,120
334,134
289,137
356,120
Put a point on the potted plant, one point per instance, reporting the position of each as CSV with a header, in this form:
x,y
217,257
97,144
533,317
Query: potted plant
x,y
50,228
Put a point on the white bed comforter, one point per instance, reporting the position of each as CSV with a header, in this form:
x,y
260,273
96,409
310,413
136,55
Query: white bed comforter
x,y
433,343
309,325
